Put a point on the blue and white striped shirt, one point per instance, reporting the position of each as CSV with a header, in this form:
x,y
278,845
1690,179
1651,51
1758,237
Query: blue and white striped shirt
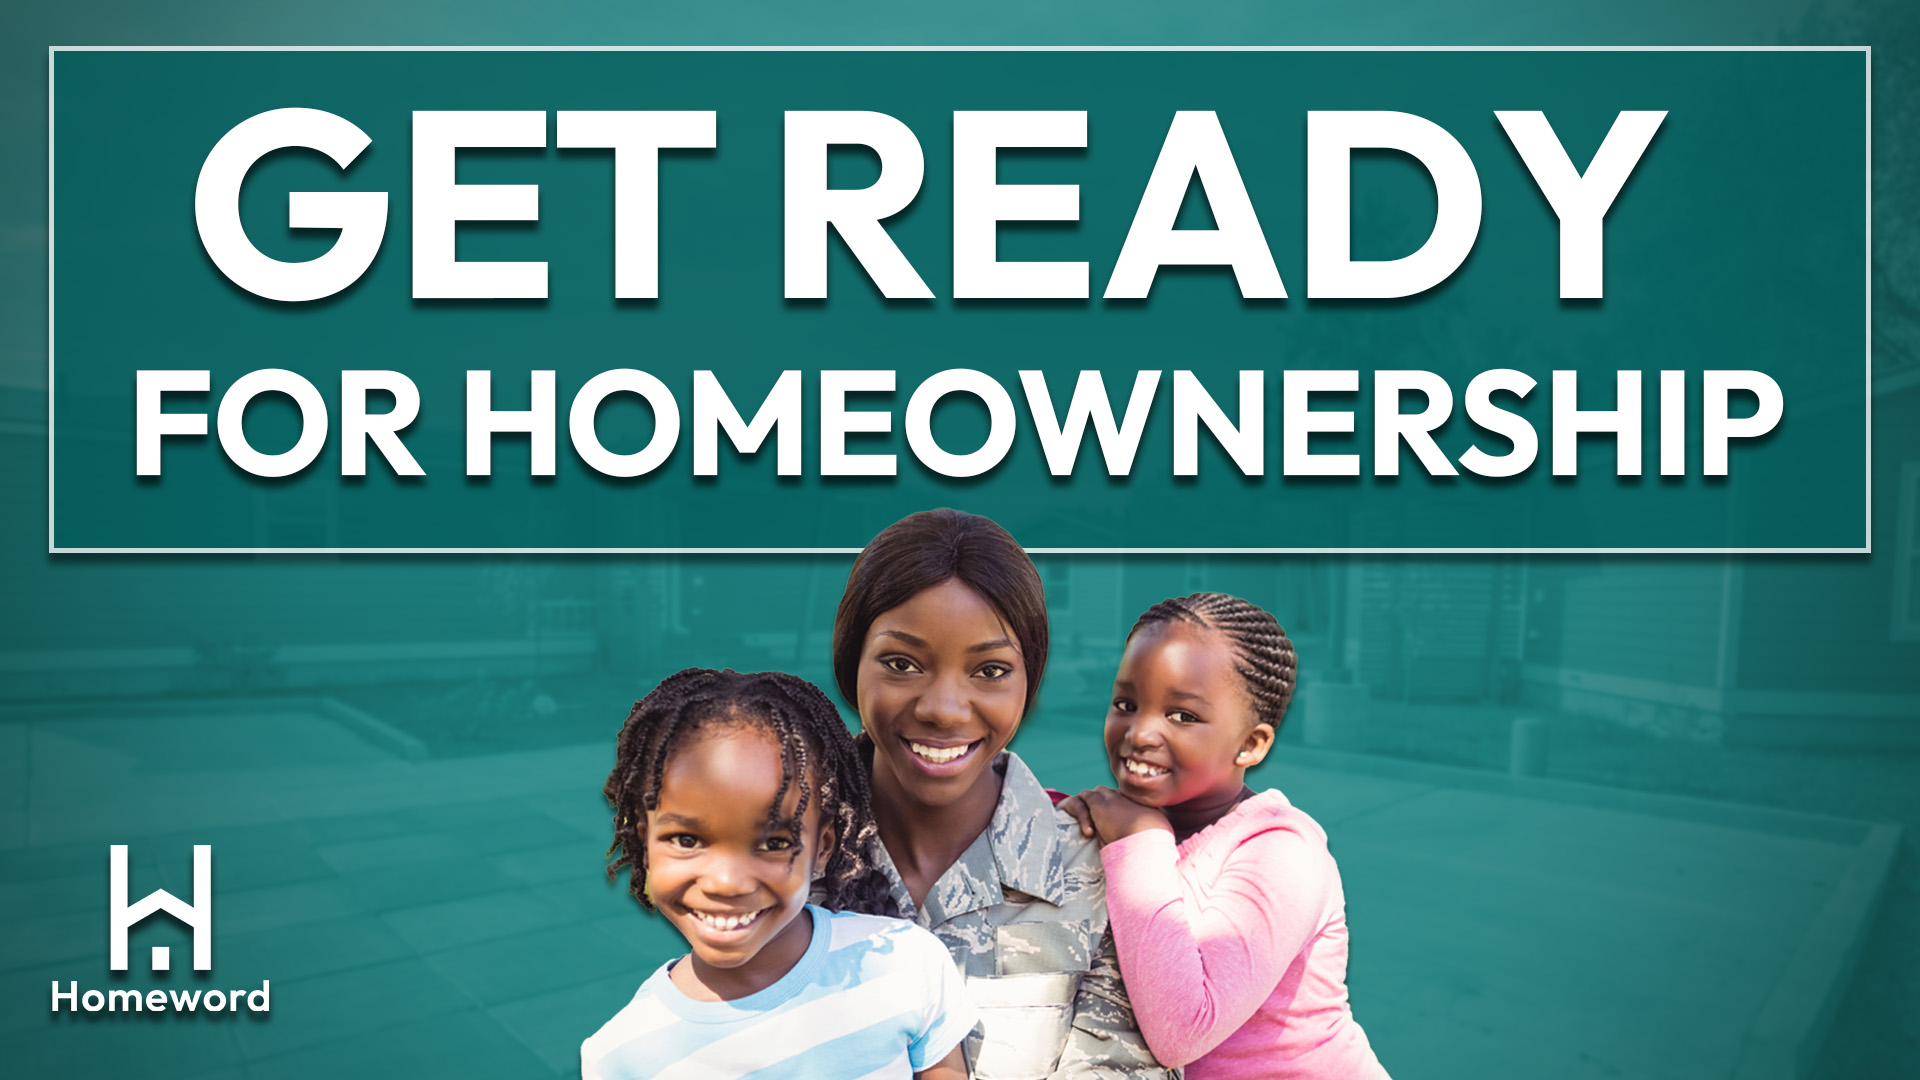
x,y
873,998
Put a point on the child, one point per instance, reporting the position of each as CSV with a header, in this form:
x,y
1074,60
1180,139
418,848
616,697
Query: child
x,y
734,795
1225,904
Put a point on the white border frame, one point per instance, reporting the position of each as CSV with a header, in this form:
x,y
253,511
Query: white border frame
x,y
1866,52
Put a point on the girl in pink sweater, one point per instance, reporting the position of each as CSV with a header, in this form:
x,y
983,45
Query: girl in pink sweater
x,y
1225,904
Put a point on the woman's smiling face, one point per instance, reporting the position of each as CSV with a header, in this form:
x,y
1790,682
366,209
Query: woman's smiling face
x,y
942,687
1181,728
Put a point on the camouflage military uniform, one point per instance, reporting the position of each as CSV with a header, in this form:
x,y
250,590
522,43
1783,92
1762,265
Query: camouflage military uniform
x,y
1024,913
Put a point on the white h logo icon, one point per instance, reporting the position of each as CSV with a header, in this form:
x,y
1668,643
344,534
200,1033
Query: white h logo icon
x,y
198,915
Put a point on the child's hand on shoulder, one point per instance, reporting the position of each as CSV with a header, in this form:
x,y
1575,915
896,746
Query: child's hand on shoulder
x,y
1104,812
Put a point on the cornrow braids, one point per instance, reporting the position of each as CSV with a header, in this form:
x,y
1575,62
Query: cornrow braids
x,y
817,756
1266,660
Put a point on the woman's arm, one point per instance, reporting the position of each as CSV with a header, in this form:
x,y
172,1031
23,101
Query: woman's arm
x,y
1105,1042
1202,957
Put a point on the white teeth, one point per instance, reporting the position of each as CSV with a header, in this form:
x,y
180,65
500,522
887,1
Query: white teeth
x,y
727,922
1141,768
939,755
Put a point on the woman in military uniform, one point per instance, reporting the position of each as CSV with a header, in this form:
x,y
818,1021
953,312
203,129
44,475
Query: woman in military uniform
x,y
940,643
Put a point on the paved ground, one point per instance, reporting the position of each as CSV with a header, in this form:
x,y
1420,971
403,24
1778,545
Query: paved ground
x,y
448,917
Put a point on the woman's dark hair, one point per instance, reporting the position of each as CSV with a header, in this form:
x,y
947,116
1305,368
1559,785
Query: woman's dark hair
x,y
931,548
816,752
1266,660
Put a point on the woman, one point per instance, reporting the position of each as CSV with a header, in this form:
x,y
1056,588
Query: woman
x,y
940,643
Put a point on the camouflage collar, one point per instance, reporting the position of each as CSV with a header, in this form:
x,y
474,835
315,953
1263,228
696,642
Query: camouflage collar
x,y
1026,834
1019,851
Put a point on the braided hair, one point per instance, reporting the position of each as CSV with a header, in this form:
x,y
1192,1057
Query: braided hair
x,y
817,757
1266,661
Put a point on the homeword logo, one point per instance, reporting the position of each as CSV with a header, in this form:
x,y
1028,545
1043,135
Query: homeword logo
x,y
198,915
122,916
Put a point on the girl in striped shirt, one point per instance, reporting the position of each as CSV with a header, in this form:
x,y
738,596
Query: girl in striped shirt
x,y
734,796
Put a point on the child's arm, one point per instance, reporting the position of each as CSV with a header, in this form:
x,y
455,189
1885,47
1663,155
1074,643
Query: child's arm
x,y
1104,812
952,1067
948,1013
1197,971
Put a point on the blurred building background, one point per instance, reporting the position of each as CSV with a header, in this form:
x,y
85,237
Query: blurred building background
x,y
1782,681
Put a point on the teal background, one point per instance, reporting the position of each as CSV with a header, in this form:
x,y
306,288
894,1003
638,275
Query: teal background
x,y
1703,866
1739,243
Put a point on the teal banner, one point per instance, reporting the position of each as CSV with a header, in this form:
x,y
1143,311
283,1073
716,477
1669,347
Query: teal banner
x,y
1514,300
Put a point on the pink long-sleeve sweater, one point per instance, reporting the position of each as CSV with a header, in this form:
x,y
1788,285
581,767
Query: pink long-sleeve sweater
x,y
1233,946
